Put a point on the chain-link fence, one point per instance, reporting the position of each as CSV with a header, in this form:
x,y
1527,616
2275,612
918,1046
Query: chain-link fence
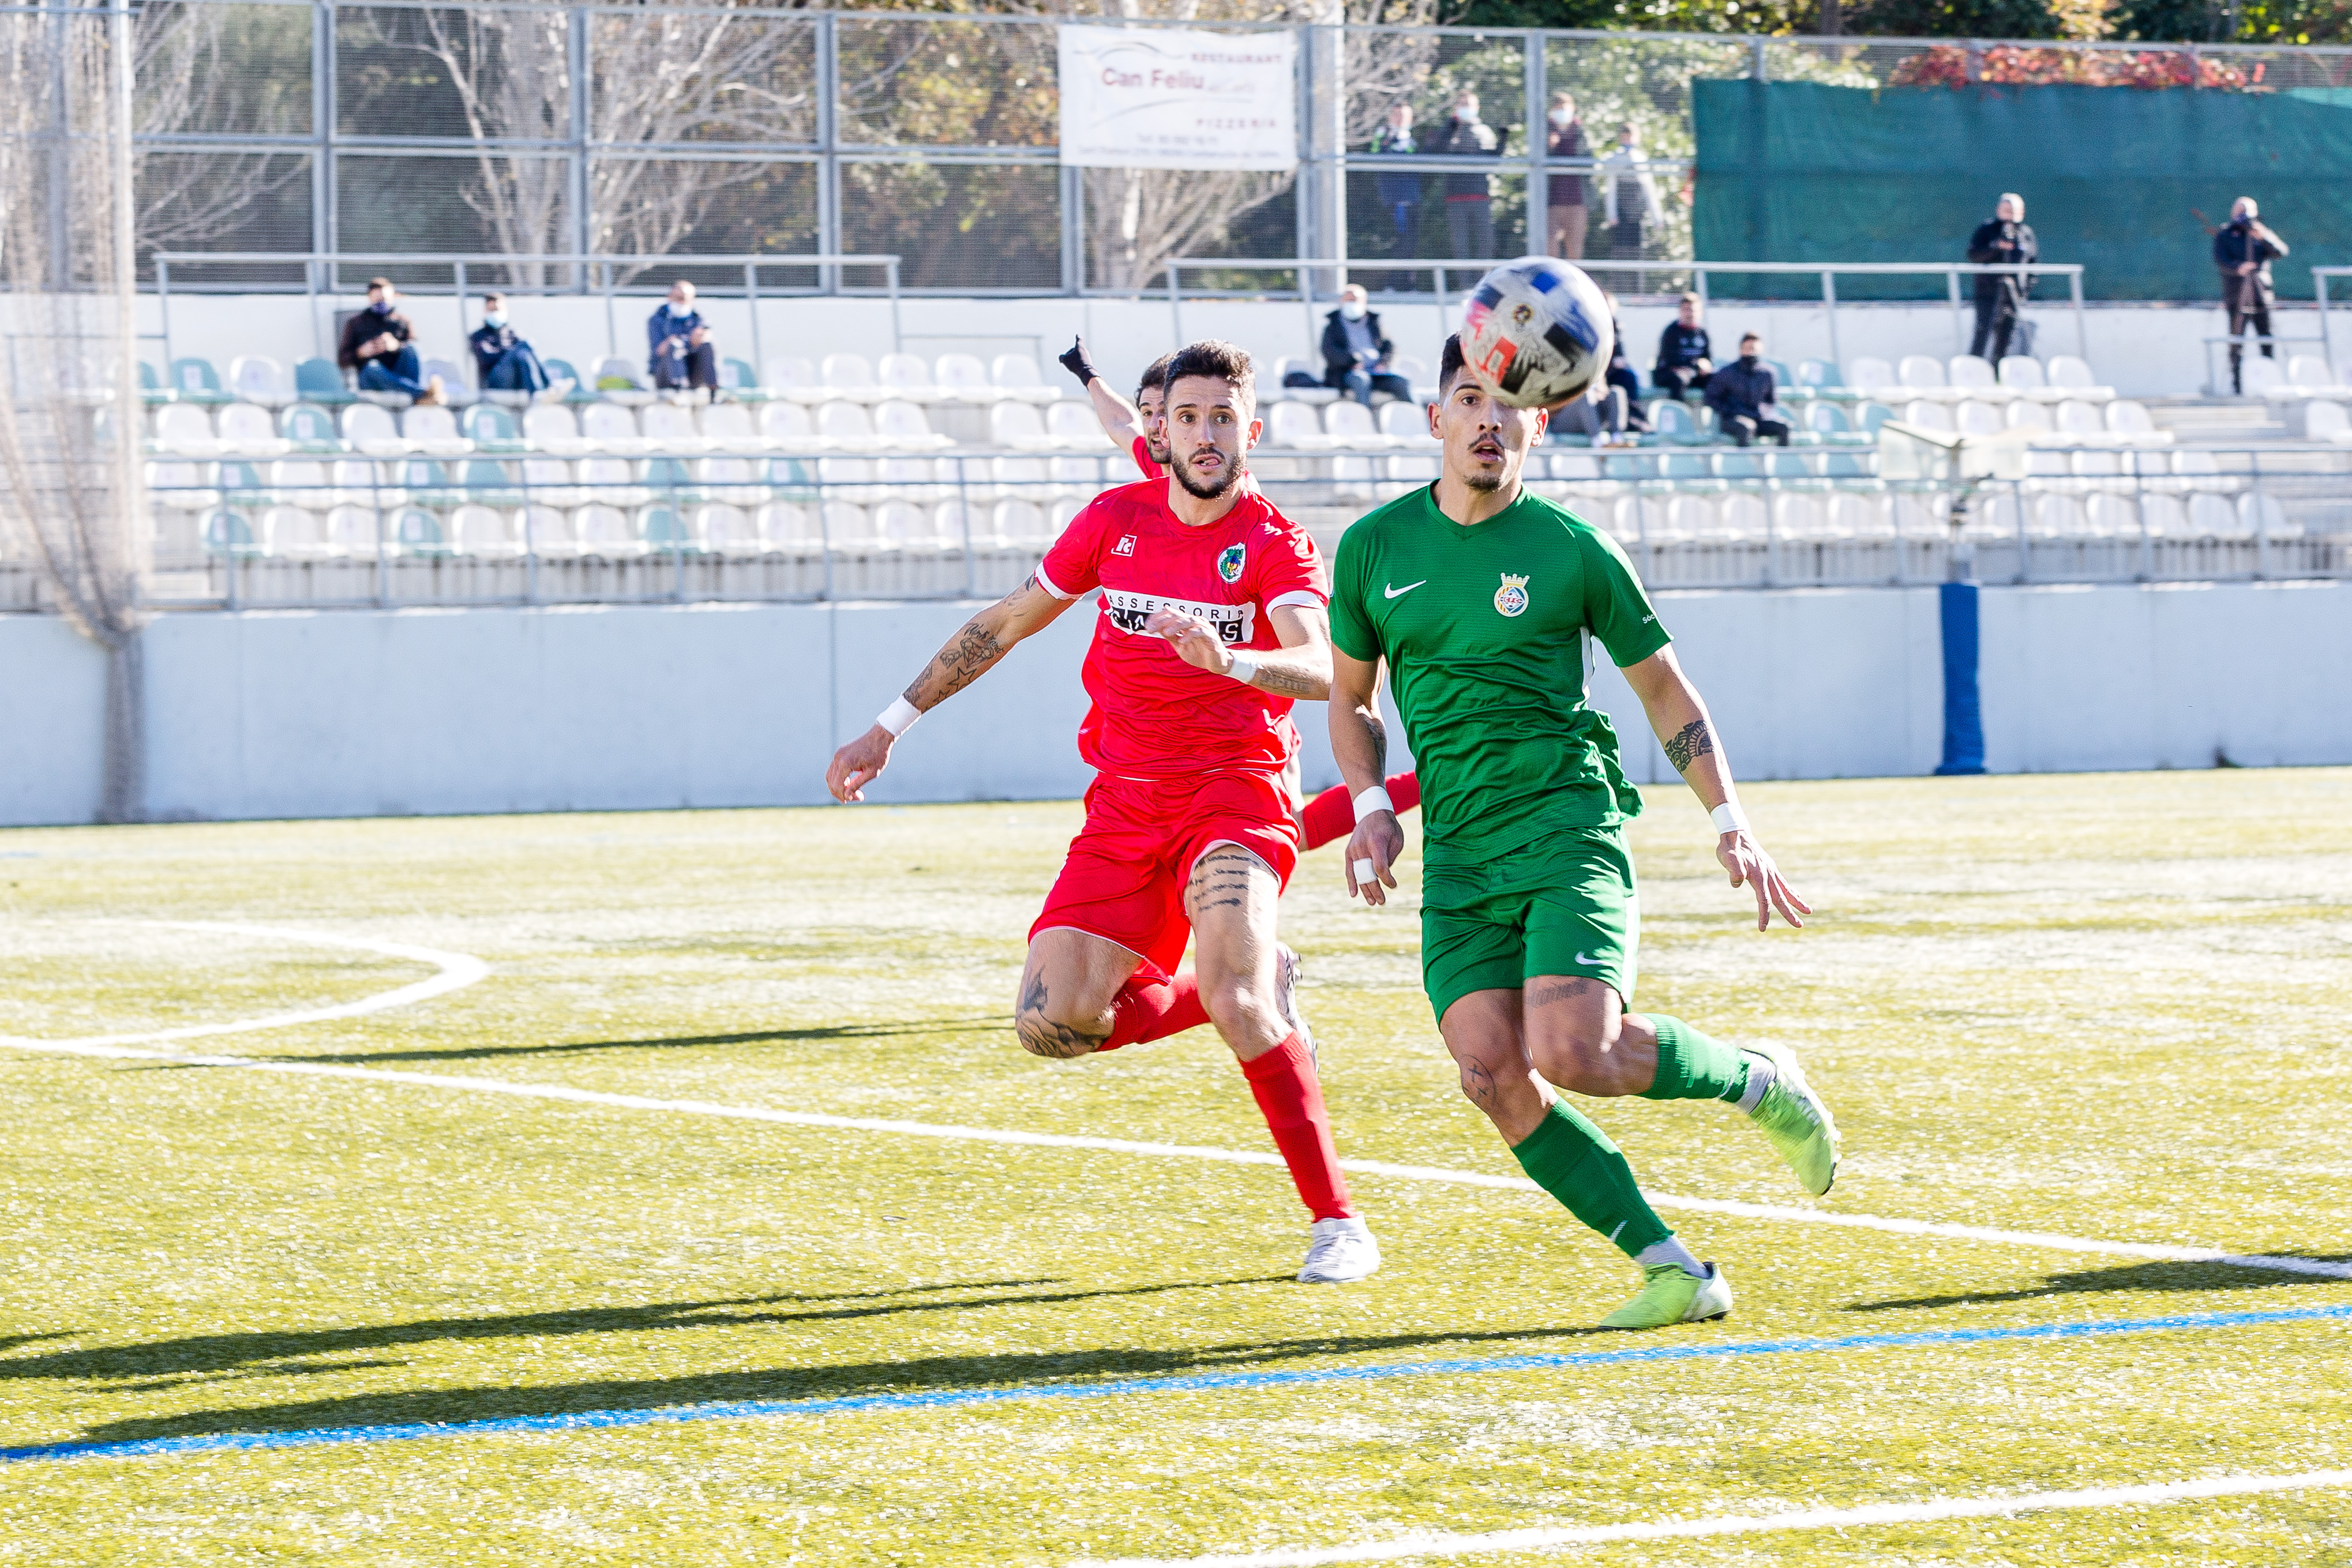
x,y
548,129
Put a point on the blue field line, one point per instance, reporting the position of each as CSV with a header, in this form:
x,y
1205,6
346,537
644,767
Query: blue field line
x,y
1192,1383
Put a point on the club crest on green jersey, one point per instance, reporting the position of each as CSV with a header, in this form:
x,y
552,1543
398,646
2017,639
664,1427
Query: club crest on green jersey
x,y
1229,565
1511,598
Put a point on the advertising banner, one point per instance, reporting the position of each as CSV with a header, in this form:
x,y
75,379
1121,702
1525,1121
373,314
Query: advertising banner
x,y
1158,97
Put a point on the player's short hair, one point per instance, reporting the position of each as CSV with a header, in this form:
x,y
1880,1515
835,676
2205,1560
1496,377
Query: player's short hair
x,y
376,283
1450,364
1155,378
1690,299
1218,360
1752,337
494,294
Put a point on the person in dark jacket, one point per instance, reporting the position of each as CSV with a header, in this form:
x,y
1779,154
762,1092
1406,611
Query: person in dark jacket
x,y
2000,295
683,354
1563,143
2243,250
1400,192
503,361
376,344
1685,357
1620,373
1741,392
1469,194
1356,354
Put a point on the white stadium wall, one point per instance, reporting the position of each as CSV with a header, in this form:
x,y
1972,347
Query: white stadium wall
x,y
351,714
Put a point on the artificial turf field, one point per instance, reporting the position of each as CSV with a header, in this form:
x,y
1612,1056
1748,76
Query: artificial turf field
x,y
2105,1007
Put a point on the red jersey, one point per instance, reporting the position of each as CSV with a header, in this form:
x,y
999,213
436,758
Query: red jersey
x,y
1151,470
1154,716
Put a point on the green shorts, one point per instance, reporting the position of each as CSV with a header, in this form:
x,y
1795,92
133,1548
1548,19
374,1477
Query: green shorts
x,y
1565,905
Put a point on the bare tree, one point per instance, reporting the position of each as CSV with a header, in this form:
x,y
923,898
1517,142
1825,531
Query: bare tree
x,y
197,72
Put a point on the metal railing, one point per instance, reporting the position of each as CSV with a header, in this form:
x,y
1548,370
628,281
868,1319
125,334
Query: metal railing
x,y
320,279
1828,272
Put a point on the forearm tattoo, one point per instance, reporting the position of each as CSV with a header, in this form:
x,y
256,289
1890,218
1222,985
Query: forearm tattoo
x,y
1041,1037
1377,728
958,664
1283,682
1558,991
1694,741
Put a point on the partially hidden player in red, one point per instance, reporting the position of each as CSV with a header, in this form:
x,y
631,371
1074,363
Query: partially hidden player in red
x,y
1212,626
1141,427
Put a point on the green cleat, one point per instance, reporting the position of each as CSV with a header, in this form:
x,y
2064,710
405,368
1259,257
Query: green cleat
x,y
1797,1121
1669,1296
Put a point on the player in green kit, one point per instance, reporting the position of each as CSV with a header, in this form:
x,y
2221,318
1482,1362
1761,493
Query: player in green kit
x,y
1483,597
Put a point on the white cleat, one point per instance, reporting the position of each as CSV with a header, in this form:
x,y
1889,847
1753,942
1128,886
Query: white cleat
x,y
1341,1251
1287,969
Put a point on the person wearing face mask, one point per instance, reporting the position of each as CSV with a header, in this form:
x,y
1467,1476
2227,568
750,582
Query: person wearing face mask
x,y
2242,252
683,358
1686,357
1356,354
2000,295
1741,395
375,344
1564,142
503,362
1469,193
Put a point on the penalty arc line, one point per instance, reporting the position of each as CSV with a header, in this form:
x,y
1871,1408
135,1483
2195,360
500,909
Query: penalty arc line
x,y
1189,1382
1928,1513
460,970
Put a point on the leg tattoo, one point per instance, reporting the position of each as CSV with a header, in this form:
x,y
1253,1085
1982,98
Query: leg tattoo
x,y
1041,1037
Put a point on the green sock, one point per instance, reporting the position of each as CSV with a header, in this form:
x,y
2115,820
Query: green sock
x,y
1693,1067
1573,1161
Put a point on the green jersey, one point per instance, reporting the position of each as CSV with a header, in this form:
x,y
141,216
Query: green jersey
x,y
1485,632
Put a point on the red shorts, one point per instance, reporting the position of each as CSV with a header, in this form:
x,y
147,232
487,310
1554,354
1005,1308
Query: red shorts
x,y
1124,877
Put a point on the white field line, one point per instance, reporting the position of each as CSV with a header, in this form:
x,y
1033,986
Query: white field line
x,y
458,969
1541,1538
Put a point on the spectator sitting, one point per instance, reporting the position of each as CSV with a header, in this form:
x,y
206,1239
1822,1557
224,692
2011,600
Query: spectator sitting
x,y
2243,250
1682,353
1599,413
683,354
503,362
2000,295
1469,193
376,344
1355,355
1621,374
1741,392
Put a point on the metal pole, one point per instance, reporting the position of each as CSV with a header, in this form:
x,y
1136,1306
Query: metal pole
x,y
828,177
1959,334
1176,301
1829,299
612,331
2326,343
459,279
163,311
751,303
1538,124
898,332
2082,327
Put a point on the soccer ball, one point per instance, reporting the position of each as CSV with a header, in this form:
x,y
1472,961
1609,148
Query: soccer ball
x,y
1536,333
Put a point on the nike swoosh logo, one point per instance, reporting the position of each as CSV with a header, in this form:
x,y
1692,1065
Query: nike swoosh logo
x,y
1400,593
1586,959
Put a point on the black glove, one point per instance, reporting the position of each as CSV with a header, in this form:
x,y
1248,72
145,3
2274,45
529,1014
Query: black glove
x,y
1077,363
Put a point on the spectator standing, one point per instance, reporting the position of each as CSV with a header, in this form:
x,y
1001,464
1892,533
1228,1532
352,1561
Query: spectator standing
x,y
1469,194
2000,295
1686,357
503,362
1356,354
1564,142
377,344
1400,192
1742,394
1629,195
2243,251
683,353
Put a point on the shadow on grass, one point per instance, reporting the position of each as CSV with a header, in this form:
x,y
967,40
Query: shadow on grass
x,y
437,1406
753,1038
227,1353
2130,1276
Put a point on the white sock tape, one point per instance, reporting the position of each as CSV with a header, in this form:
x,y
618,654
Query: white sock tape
x,y
1729,818
899,717
1373,799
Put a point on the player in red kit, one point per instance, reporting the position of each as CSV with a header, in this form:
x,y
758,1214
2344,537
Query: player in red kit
x,y
1211,626
1141,427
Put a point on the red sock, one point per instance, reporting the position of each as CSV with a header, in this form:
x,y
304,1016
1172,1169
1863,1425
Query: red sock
x,y
1332,813
1292,1101
1153,1010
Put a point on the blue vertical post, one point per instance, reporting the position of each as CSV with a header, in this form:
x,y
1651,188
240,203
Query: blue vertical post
x,y
1963,713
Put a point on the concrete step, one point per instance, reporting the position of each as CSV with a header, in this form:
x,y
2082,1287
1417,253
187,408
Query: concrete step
x,y
2218,419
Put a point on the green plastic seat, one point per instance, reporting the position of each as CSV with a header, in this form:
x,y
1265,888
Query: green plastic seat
x,y
196,381
318,381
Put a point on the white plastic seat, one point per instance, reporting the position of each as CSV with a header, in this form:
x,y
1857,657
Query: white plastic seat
x,y
1416,373
1975,418
1691,516
1974,376
543,530
2164,516
2078,418
849,526
1276,389
669,427
2058,516
729,427
787,525
2260,513
1797,516
730,481
1015,375
2126,417
548,482
1741,516
851,377
634,394
1856,516
1922,516
551,427
1018,425
186,429
2308,371
848,426
291,531
959,527
1349,424
905,375
901,425
902,525
609,428
1406,423
368,428
2111,516
612,481
2072,376
788,427
794,379
1296,425
432,428
479,531
1022,524
602,529
302,482
2211,516
1927,416
2022,374
963,378
728,528
245,430
2261,377
257,378
350,530
2322,420
1072,425
1870,376
362,481
2023,416
1921,372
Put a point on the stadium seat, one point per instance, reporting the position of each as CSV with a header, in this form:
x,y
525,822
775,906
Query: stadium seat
x,y
1785,383
664,527
602,529
2261,377
1073,425
851,377
302,482
611,481
351,530
902,425
228,533
1739,466
1973,376
1295,426
292,532
362,481
2308,374
2080,420
1743,516
855,475
193,380
368,428
487,482
959,527
729,427
2130,420
794,379
617,380
574,386
728,528
478,530
152,392
2056,515
1871,376
2072,377
963,378
787,525
2111,516
2322,420
308,428
670,427
1273,389
1018,425
667,477
905,375
2095,469
1975,418
1855,516
2022,374
2261,516
183,429
902,525
848,526
1349,425
1798,517
729,482
413,531
257,378
1406,425
551,427
182,487
1922,375
489,426
1022,525
1927,416
456,388
2163,516
1417,375
546,482
431,428
741,381
792,479
1015,375
1672,421
788,427
2025,415
610,427
542,529
848,426
244,430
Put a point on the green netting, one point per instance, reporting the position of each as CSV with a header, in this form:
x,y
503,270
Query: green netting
x,y
2128,181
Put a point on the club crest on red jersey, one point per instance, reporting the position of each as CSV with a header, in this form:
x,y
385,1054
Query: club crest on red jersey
x,y
1229,565
1126,545
1511,598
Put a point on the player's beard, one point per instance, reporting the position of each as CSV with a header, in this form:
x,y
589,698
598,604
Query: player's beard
x,y
1184,472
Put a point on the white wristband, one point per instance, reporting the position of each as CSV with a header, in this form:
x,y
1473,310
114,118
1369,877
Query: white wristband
x,y
1373,799
1244,668
1729,818
899,717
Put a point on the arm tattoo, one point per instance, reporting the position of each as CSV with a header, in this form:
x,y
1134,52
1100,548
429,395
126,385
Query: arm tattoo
x,y
1377,728
1283,682
961,662
1692,742
1559,991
